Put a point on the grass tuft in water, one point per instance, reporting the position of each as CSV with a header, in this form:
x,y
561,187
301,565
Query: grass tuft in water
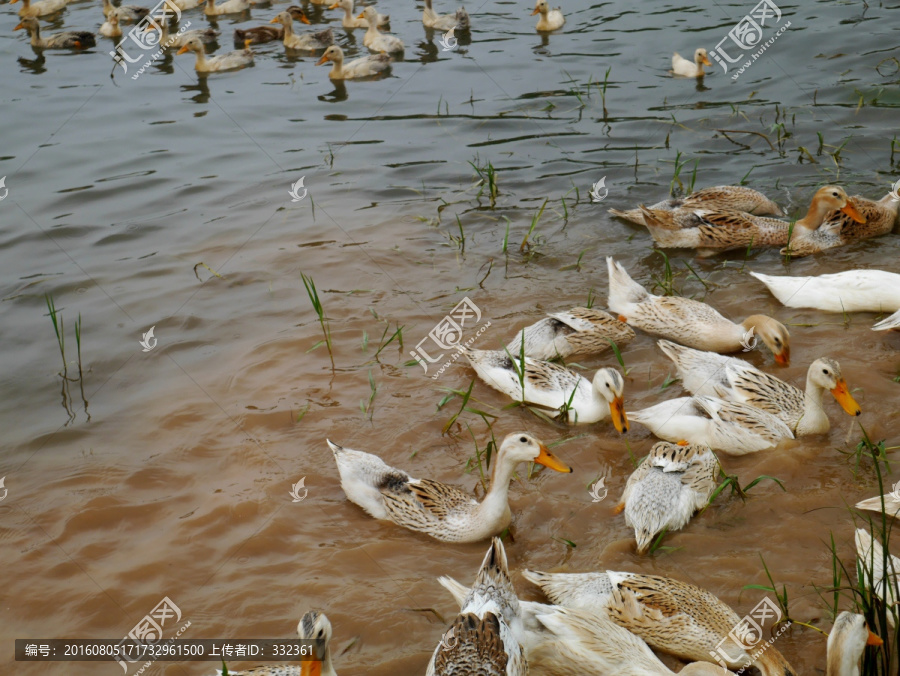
x,y
313,294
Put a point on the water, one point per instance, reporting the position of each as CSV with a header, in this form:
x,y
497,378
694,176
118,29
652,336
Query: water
x,y
178,484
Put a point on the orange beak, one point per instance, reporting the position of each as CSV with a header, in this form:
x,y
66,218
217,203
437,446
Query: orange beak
x,y
182,50
547,459
705,61
842,396
362,15
19,27
303,19
311,668
617,410
536,11
322,60
684,443
783,358
851,211
275,20
874,639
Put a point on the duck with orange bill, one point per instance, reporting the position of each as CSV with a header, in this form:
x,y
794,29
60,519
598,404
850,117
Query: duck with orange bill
x,y
375,39
437,509
681,66
365,66
212,64
550,19
42,8
308,41
350,20
64,40
691,322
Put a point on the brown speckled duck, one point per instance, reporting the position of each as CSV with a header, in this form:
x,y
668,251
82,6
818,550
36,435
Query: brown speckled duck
x,y
64,40
580,330
730,197
842,228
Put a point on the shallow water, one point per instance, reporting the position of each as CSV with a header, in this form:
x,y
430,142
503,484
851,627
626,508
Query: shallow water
x,y
178,482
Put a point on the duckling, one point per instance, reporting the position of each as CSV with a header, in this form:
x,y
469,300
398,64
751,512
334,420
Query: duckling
x,y
111,28
307,41
352,21
212,64
691,322
681,66
33,9
228,7
366,66
374,39
126,12
259,34
64,40
444,22
670,484
551,19
206,35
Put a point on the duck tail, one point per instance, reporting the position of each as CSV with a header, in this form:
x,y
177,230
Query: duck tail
x,y
623,290
892,322
457,590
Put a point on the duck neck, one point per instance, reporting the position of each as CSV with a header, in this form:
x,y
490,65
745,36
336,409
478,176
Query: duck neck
x,y
699,65
814,420
337,69
815,216
36,36
288,28
327,666
841,663
372,30
201,57
496,502
348,11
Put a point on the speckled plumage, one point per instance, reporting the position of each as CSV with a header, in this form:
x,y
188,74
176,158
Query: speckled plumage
x,y
732,197
713,230
671,616
665,490
577,331
839,229
726,426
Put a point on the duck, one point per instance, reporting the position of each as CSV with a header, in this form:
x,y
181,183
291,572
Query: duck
x,y
873,558
444,22
126,12
206,35
366,66
841,228
212,64
228,7
34,9
691,322
551,19
713,230
440,510
186,4
350,20
890,502
888,324
64,40
585,641
551,386
111,28
736,429
670,484
681,66
314,626
671,616
259,34
307,41
485,638
847,640
732,197
848,291
374,39
710,374
580,330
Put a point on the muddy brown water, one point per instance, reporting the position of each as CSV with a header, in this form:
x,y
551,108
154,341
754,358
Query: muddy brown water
x,y
178,484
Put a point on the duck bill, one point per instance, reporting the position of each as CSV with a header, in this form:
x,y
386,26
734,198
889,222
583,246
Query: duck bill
x,y
705,61
322,60
303,19
19,27
547,459
362,15
536,11
842,396
874,639
275,20
617,411
182,50
311,668
783,358
851,211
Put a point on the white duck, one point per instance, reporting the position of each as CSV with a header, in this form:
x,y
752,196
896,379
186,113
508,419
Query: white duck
x,y
228,7
551,19
848,639
352,21
580,330
375,39
366,66
735,380
111,28
884,583
891,502
33,9
690,322
486,637
736,429
681,66
670,484
444,22
442,511
554,387
213,64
